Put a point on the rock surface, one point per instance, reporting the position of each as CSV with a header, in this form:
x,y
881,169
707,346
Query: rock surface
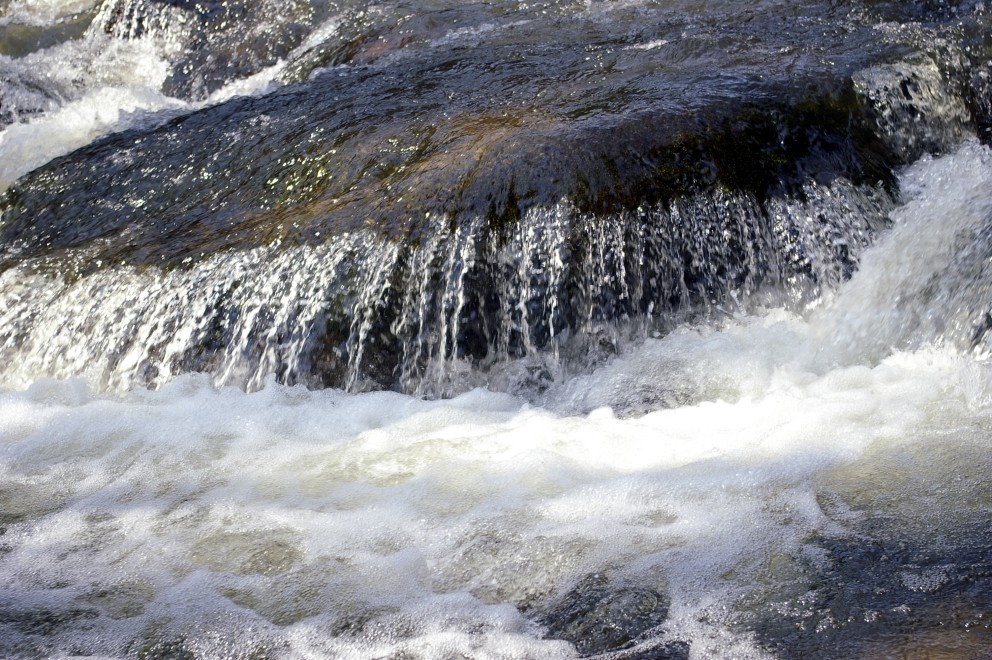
x,y
503,179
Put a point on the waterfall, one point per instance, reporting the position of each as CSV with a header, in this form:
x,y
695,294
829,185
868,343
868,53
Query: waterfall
x,y
433,329
555,288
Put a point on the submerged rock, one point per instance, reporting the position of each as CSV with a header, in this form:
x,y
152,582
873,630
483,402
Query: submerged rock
x,y
18,38
907,565
43,621
597,616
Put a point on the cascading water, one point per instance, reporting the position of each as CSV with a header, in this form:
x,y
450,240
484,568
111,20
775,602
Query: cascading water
x,y
244,315
506,330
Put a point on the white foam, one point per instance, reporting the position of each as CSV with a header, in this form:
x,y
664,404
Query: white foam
x,y
45,12
25,147
924,284
651,45
425,525
97,86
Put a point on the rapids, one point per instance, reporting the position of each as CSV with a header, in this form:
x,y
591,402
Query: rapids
x,y
429,329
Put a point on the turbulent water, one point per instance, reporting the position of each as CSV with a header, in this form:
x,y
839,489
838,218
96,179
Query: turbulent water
x,y
428,329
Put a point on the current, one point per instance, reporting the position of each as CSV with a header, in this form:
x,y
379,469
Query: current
x,y
386,438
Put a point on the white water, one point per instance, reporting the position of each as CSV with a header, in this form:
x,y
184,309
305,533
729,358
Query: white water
x,y
248,314
276,518
324,524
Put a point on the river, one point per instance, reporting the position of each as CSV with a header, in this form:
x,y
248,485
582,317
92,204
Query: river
x,y
429,329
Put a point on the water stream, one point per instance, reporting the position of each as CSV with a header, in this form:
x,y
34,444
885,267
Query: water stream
x,y
427,329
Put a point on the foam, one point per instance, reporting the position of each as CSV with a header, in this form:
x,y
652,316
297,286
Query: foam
x,y
46,12
28,146
95,87
317,523
927,284
329,523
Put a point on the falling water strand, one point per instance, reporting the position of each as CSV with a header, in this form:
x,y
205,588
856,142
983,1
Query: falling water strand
x,y
373,272
133,19
560,279
542,238
413,323
460,260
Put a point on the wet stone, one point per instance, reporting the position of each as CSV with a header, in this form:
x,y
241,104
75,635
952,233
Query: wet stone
x,y
23,502
597,616
488,131
121,601
246,553
677,650
165,649
17,40
882,593
283,604
901,95
44,621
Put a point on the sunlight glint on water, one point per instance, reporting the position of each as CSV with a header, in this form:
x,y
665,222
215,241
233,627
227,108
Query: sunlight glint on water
x,y
776,477
363,525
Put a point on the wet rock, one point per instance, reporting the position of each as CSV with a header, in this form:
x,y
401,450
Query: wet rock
x,y
18,39
24,502
123,600
876,592
598,616
901,576
165,649
516,179
922,10
678,650
914,107
486,131
45,621
22,96
265,553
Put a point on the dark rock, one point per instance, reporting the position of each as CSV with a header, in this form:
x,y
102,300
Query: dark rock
x,y
665,651
673,144
44,621
165,649
598,616
487,131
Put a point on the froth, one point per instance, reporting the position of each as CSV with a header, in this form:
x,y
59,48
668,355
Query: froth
x,y
328,523
45,12
926,283
94,87
30,145
78,91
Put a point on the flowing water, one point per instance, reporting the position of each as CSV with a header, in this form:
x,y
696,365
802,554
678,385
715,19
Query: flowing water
x,y
431,329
